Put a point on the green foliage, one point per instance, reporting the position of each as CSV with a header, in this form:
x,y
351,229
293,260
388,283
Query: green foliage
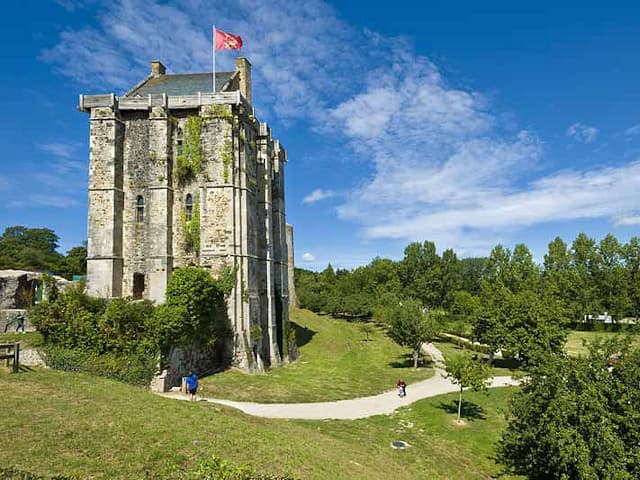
x,y
191,229
11,473
220,112
115,338
226,154
134,369
215,468
410,326
189,162
194,309
468,372
578,417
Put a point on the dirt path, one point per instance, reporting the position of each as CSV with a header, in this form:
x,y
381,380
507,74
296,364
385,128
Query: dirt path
x,y
354,408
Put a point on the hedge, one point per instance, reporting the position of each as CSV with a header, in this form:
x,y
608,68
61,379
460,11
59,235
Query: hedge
x,y
134,369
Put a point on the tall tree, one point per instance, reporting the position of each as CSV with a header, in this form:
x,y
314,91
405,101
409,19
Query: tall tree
x,y
577,418
631,256
420,273
410,326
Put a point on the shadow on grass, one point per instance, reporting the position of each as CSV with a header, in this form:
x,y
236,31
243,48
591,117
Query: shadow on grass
x,y
510,363
469,411
303,334
406,361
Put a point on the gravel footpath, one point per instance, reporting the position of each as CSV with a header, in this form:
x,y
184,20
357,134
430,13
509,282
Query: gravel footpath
x,y
384,403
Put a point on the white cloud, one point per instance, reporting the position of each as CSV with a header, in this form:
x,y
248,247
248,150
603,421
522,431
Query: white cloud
x,y
632,131
65,150
442,167
317,195
41,200
307,257
629,220
582,133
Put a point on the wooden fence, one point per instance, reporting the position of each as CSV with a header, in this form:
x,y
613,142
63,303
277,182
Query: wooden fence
x,y
11,351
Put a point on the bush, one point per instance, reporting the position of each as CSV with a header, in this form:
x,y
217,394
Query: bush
x,y
12,473
134,369
214,468
466,345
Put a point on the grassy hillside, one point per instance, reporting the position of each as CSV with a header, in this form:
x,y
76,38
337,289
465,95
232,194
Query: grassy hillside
x,y
576,340
336,362
96,428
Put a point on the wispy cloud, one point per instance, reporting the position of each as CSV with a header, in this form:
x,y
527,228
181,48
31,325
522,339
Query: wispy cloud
x,y
41,200
625,220
317,195
632,131
307,257
582,133
65,150
442,165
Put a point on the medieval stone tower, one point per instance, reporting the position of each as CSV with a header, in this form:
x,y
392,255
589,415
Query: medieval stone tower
x,y
182,175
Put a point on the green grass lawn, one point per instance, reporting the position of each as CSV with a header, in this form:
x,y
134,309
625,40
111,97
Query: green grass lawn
x,y
75,424
576,340
27,340
336,362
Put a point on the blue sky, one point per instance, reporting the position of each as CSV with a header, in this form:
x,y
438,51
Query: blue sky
x,y
466,123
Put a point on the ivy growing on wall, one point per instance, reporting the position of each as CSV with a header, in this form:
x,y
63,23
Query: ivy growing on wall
x,y
227,159
191,229
189,161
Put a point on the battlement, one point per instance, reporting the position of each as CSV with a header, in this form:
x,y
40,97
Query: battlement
x,y
173,102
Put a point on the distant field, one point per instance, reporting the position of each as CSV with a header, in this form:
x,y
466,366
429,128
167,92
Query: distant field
x,y
336,362
575,341
75,424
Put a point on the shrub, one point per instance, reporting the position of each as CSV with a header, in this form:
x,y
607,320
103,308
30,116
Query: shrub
x,y
12,473
134,369
214,468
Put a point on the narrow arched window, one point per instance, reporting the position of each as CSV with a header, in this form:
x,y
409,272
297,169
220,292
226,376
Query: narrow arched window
x,y
179,141
188,207
139,209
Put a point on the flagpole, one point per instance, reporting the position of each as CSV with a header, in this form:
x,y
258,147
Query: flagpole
x,y
214,59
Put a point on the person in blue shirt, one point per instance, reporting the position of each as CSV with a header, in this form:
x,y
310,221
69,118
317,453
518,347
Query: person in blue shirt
x,y
192,385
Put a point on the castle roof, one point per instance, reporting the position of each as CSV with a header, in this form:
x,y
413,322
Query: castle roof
x,y
180,84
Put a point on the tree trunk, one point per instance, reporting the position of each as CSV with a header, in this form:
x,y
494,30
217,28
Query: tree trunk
x,y
459,403
415,359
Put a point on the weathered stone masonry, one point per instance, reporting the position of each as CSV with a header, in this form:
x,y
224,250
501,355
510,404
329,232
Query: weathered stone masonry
x,y
157,203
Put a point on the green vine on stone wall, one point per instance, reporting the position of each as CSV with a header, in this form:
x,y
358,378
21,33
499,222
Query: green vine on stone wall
x,y
227,159
221,112
189,161
191,229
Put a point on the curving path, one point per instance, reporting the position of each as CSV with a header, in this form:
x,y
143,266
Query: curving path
x,y
384,403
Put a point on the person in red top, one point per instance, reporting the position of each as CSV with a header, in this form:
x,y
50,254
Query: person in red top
x,y
402,388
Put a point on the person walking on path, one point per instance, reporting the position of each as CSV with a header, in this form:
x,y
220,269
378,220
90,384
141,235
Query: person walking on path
x,y
192,386
402,388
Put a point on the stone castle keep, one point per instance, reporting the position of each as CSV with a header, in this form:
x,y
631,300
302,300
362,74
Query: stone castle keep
x,y
181,175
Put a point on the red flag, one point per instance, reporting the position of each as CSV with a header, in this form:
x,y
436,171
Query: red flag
x,y
227,41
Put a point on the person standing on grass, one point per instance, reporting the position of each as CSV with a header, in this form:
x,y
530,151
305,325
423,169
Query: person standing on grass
x,y
192,386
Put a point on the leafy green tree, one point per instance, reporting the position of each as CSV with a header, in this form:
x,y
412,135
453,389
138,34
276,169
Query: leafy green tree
x,y
631,256
29,249
577,418
193,311
467,372
75,263
410,326
420,273
611,279
472,271
584,263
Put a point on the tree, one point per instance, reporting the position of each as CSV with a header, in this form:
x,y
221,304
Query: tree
x,y
410,326
467,372
29,249
631,256
420,273
577,418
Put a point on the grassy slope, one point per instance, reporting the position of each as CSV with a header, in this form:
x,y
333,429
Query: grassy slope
x,y
501,367
96,428
335,363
